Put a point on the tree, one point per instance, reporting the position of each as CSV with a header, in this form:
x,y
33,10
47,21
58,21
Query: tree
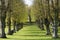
x,y
18,14
55,5
3,17
9,16
38,10
29,11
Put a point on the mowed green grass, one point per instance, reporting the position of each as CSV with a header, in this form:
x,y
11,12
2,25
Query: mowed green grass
x,y
30,32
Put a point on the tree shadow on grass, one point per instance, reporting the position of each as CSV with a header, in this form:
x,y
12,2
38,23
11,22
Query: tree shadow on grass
x,y
5,38
56,38
36,35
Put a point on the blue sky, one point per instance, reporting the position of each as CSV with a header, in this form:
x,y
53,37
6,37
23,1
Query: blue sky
x,y
28,2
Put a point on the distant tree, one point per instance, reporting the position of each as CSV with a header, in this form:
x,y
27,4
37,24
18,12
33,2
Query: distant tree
x,y
38,10
18,14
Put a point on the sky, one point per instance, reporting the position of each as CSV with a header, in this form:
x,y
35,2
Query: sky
x,y
28,2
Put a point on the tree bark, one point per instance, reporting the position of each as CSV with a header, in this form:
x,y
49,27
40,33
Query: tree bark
x,y
41,24
47,27
9,26
9,17
14,27
56,11
3,17
30,20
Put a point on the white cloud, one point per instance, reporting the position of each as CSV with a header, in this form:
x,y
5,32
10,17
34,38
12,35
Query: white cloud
x,y
28,2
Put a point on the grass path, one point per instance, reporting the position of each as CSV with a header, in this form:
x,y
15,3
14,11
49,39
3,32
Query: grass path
x,y
30,33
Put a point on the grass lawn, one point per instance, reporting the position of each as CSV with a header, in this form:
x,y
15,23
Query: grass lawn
x,y
30,33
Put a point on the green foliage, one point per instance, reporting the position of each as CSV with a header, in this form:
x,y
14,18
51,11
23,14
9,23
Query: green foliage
x,y
18,11
37,9
42,9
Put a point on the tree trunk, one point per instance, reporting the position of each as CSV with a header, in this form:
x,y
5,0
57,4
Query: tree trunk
x,y
9,26
9,18
41,24
29,18
17,26
55,25
3,28
14,27
29,11
47,27
55,30
21,25
38,23
3,17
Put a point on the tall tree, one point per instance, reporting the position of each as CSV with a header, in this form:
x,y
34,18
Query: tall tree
x,y
55,5
18,14
3,17
38,7
9,16
47,23
29,11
